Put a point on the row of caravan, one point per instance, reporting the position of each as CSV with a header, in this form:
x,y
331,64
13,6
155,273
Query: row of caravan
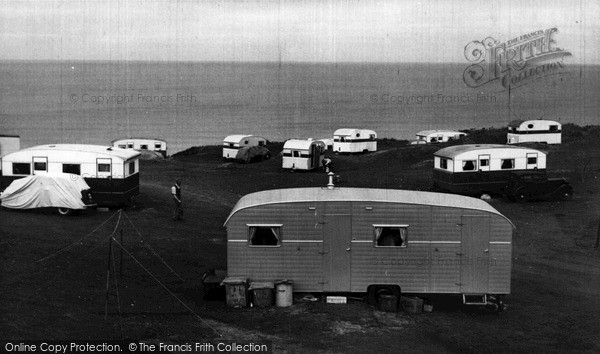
x,y
306,154
519,131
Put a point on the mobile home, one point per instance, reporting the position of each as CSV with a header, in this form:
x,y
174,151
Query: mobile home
x,y
354,140
157,145
111,173
9,144
540,131
303,154
437,136
485,168
233,143
358,239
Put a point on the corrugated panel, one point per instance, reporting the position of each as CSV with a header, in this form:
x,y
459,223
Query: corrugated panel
x,y
428,264
500,268
445,268
407,267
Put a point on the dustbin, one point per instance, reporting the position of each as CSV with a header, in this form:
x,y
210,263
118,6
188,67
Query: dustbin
x,y
284,290
236,291
262,293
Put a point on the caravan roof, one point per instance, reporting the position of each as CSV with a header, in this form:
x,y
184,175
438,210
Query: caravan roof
x,y
518,123
427,132
235,138
297,195
453,151
301,144
97,149
349,132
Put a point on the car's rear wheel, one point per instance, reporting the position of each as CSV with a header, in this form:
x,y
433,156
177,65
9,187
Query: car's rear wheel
x,y
65,211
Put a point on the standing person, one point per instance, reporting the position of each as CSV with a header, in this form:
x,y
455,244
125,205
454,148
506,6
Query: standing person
x,y
327,164
176,192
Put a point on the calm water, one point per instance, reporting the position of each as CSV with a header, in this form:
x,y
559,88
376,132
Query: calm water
x,y
189,104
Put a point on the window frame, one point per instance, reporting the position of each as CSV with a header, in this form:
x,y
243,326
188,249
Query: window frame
x,y
72,164
398,226
512,164
249,236
473,163
21,163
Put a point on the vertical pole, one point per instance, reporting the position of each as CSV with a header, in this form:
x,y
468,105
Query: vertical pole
x,y
121,262
598,236
107,277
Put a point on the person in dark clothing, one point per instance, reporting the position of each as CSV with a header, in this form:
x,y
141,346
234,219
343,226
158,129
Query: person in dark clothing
x,y
176,192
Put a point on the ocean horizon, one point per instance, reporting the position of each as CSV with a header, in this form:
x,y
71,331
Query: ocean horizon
x,y
199,103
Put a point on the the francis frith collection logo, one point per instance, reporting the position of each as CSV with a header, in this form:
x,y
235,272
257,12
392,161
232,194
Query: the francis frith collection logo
x,y
515,62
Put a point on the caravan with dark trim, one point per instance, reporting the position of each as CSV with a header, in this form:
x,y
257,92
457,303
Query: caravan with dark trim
x,y
537,131
482,168
354,140
303,154
112,173
233,143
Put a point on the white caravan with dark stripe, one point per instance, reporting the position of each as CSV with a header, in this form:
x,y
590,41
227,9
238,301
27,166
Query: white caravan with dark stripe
x,y
233,143
538,131
354,140
361,240
111,173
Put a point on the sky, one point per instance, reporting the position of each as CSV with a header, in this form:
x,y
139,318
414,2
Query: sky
x,y
288,31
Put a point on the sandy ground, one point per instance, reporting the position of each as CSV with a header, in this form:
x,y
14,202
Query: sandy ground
x,y
554,305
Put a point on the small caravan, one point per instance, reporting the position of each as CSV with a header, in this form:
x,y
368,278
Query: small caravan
x,y
482,168
540,131
112,173
354,140
303,154
361,240
141,144
437,136
9,144
233,143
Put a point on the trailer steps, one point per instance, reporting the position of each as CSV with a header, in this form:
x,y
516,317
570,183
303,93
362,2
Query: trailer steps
x,y
475,299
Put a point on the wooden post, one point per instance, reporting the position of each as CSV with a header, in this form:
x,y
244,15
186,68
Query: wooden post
x,y
107,277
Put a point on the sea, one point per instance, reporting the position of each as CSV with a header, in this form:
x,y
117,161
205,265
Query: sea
x,y
199,103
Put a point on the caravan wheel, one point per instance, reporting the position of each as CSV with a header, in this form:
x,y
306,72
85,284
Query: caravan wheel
x,y
65,211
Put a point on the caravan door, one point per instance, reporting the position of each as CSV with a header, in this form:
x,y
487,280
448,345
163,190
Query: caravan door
x,y
40,165
474,254
337,232
532,159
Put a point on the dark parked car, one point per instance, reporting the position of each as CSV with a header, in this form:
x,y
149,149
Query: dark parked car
x,y
536,185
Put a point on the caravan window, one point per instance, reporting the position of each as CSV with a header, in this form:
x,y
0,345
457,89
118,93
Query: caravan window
x,y
144,147
484,162
21,168
507,164
469,165
444,164
554,128
74,169
261,143
103,167
122,146
157,145
130,145
296,153
40,166
391,235
531,160
264,235
132,167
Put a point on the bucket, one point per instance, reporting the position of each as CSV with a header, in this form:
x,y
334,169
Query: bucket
x,y
262,294
284,293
